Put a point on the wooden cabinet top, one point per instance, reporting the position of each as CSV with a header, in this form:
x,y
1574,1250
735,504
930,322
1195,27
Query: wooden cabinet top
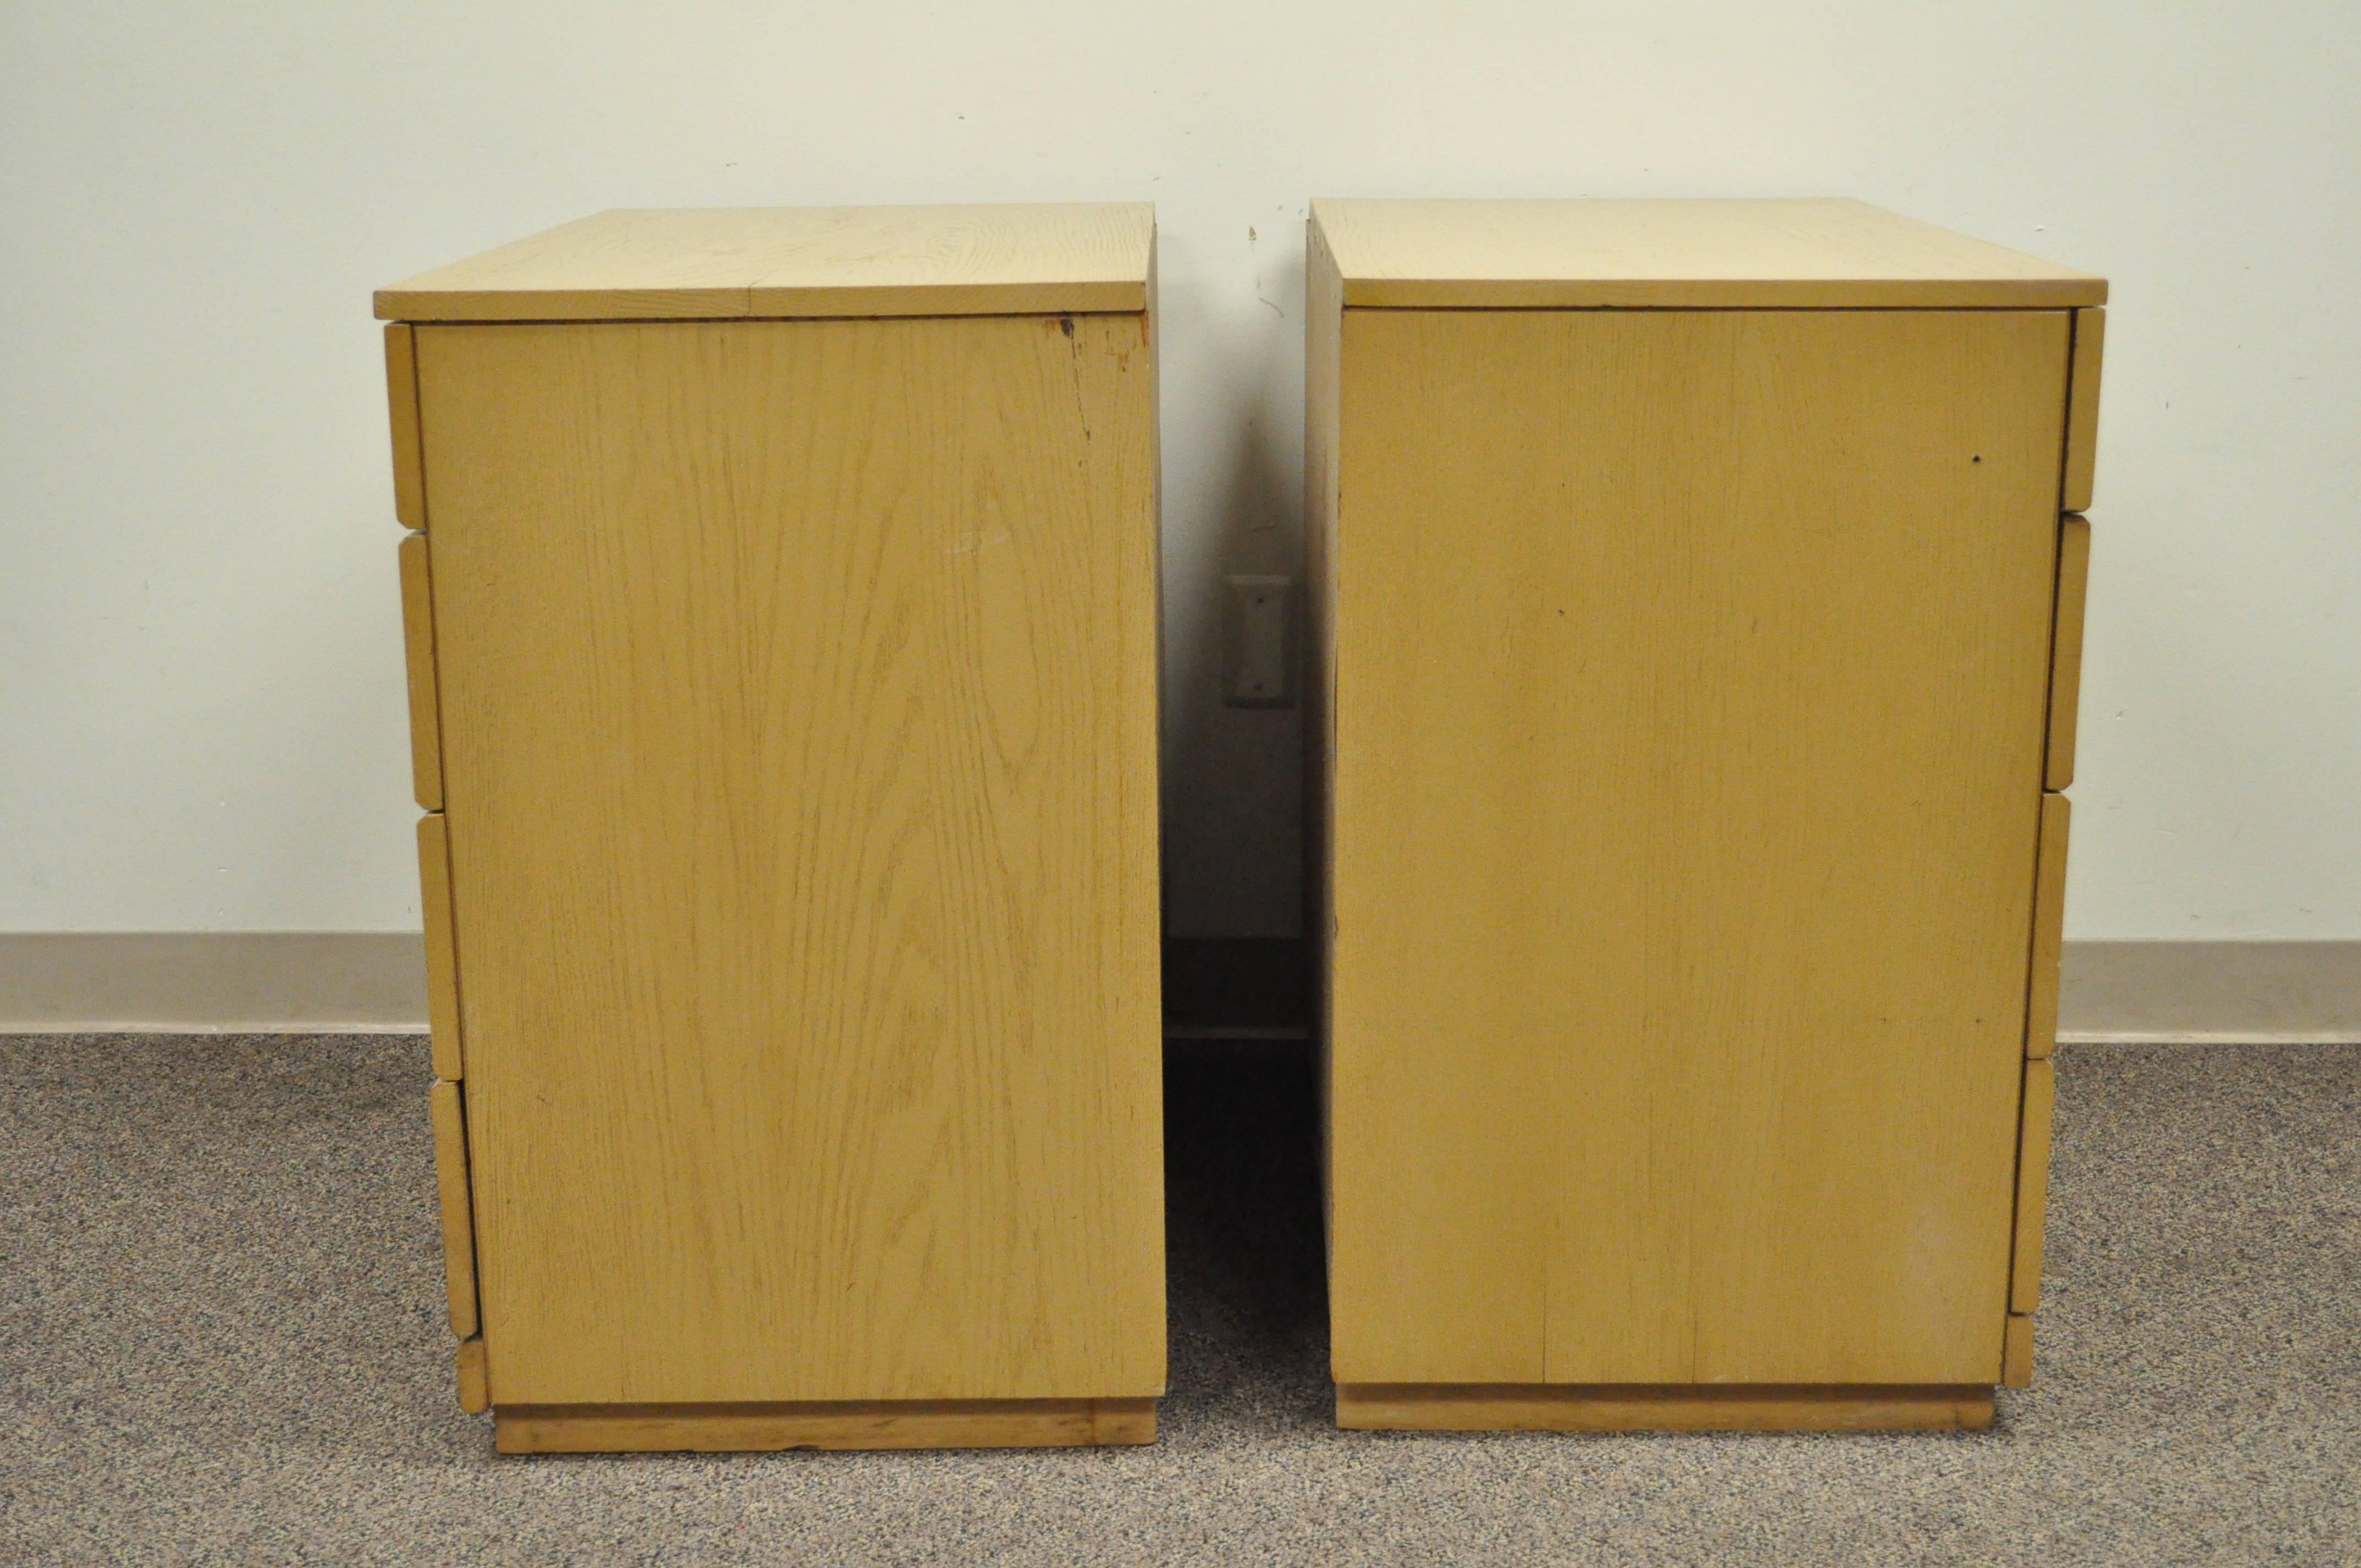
x,y
659,264
1727,254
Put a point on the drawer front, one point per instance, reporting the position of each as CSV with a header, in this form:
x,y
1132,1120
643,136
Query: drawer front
x,y
401,410
475,1378
2016,1352
2048,925
2082,410
418,643
2039,1105
458,1217
442,947
2066,650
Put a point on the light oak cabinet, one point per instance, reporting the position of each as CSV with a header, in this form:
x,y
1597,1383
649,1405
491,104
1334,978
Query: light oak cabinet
x,y
781,612
1697,597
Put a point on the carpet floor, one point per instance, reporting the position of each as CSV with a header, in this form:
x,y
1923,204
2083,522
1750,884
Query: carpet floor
x,y
222,1341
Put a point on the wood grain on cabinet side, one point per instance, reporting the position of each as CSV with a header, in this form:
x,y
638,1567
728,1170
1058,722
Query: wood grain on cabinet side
x,y
2048,925
1692,675
2040,1107
458,1219
442,1021
418,647
2066,650
851,1424
799,702
401,410
2082,410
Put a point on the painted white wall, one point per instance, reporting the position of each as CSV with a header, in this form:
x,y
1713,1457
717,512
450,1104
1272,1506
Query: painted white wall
x,y
201,703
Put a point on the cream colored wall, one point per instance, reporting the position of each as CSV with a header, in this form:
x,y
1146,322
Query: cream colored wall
x,y
201,706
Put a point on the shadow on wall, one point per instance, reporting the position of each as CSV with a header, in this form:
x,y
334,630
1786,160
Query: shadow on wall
x,y
1233,851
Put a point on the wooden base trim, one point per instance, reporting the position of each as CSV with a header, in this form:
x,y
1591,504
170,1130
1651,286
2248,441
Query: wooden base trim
x,y
851,1423
1678,1406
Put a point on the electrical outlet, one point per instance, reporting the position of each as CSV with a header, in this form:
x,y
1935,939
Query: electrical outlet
x,y
1258,641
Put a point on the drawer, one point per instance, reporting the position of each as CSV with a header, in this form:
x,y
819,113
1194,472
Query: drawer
x,y
2066,650
425,706
2049,927
2083,409
2016,1352
401,407
449,1109
474,1380
442,951
2032,1183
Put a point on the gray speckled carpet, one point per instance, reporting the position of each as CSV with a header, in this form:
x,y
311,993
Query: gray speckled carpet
x,y
222,1341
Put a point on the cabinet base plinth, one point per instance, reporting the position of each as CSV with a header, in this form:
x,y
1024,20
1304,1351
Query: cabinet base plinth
x,y
1667,1406
851,1423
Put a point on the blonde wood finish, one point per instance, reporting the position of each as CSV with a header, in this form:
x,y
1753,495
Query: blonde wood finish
x,y
402,409
799,703
2066,650
2082,410
694,263
2048,925
871,1424
2032,1183
459,1223
475,1382
417,640
1666,1408
2016,1352
1688,254
442,1021
1689,703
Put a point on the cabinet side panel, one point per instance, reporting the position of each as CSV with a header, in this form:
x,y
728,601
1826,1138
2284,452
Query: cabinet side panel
x,y
1441,1121
800,723
1691,681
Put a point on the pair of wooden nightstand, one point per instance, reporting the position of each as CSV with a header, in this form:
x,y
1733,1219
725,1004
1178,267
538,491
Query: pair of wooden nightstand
x,y
1695,635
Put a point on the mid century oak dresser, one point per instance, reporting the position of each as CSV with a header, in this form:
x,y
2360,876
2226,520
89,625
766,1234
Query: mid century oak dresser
x,y
782,614
1698,595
